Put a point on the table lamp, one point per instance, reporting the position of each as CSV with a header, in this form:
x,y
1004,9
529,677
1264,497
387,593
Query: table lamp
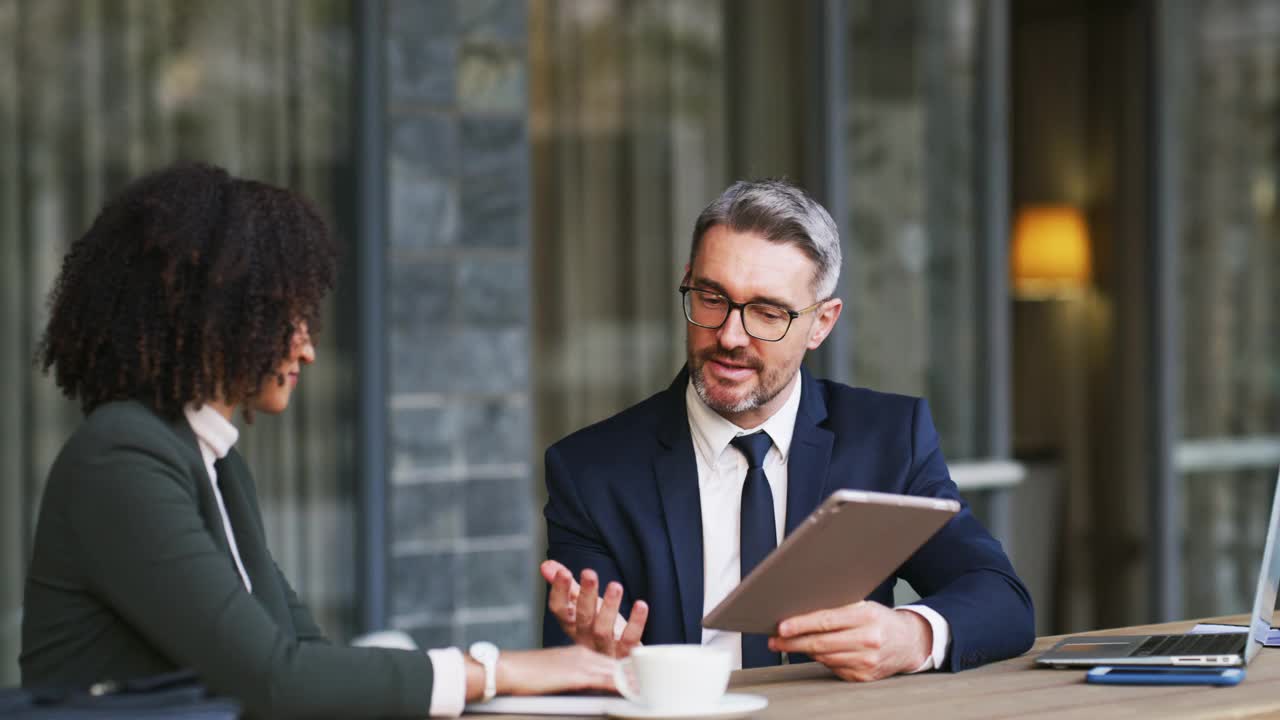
x,y
1050,254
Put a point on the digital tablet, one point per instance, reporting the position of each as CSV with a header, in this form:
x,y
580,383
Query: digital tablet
x,y
837,556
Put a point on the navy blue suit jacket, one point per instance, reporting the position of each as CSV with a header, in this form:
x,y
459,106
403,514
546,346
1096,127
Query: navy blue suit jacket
x,y
623,501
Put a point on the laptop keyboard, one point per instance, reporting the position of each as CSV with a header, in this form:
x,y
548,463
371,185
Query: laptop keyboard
x,y
1195,644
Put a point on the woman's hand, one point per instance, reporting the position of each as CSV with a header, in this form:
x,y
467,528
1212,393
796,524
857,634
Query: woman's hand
x,y
563,669
588,619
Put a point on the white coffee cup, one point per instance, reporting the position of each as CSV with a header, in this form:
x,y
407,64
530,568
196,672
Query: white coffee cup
x,y
673,677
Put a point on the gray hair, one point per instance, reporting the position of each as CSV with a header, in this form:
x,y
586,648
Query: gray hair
x,y
783,213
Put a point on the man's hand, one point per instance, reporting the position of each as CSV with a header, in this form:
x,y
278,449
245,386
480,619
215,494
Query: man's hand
x,y
863,641
589,619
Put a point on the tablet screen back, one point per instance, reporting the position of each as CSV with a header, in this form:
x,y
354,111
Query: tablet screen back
x,y
844,550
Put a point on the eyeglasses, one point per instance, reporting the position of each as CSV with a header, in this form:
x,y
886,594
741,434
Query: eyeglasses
x,y
762,321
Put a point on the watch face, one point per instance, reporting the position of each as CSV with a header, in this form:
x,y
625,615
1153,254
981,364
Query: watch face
x,y
483,651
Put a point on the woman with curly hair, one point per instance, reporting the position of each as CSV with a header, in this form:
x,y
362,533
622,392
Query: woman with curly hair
x,y
192,295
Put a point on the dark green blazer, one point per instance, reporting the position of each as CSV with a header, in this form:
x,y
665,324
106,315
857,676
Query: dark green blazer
x,y
132,575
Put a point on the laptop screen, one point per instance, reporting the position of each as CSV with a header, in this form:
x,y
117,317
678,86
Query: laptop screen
x,y
1264,601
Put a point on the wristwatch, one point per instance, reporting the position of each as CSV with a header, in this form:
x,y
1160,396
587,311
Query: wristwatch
x,y
486,653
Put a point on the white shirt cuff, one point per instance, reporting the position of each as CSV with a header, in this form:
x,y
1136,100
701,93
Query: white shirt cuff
x,y
941,636
448,683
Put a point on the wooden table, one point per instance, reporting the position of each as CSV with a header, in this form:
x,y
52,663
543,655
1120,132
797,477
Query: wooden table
x,y
1013,688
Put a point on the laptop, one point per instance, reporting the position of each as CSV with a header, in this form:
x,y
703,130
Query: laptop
x,y
1195,649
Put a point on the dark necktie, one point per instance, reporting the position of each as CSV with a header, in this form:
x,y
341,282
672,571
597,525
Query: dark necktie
x,y
759,534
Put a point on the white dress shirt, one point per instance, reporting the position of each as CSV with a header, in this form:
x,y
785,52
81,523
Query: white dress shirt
x,y
216,435
722,470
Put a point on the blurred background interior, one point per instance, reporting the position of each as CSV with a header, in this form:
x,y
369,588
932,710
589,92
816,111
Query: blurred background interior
x,y
1059,221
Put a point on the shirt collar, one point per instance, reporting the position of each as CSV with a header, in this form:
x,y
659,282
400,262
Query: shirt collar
x,y
215,433
712,432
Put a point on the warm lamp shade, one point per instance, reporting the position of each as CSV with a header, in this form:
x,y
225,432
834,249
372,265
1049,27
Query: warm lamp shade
x,y
1050,249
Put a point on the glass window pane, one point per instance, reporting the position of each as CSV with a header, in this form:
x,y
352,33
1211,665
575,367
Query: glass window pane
x,y
1229,295
95,93
911,270
1225,516
627,126
1230,243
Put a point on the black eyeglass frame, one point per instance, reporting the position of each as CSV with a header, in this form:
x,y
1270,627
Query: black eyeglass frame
x,y
741,307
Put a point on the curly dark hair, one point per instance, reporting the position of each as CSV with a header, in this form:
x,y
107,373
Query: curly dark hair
x,y
186,288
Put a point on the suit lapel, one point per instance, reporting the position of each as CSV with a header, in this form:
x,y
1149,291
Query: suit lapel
x,y
810,454
676,473
234,483
204,488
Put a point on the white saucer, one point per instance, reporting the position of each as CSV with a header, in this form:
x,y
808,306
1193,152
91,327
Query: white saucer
x,y
732,705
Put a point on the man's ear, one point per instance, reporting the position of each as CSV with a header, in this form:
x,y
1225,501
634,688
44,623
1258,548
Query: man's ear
x,y
825,319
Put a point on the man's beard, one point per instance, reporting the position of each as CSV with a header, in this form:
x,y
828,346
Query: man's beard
x,y
770,382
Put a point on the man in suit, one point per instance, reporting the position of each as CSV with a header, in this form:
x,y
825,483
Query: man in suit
x,y
675,499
